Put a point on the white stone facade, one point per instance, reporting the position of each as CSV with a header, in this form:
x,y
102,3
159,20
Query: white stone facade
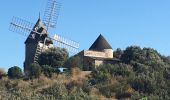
x,y
107,53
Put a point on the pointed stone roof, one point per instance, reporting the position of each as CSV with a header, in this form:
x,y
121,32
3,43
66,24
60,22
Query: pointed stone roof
x,y
40,28
100,44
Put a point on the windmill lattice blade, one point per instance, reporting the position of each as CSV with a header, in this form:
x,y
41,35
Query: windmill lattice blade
x,y
68,44
51,13
21,26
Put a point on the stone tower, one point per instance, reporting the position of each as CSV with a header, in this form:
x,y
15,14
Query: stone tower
x,y
102,45
34,44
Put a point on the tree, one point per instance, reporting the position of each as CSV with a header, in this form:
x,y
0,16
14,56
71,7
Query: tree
x,y
14,72
146,56
34,70
72,62
54,57
117,53
132,53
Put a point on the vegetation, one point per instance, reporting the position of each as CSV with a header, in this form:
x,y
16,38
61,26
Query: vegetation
x,y
47,70
73,62
34,71
141,73
14,72
54,57
55,88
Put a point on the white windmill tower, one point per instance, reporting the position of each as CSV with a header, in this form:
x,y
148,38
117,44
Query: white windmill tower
x,y
38,39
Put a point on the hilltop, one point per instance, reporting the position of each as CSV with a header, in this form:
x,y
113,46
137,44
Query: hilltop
x,y
140,73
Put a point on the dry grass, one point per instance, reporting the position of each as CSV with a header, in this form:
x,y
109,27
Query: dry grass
x,y
2,72
95,92
78,75
32,89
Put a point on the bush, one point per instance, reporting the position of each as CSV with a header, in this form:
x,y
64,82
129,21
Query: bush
x,y
73,62
57,90
14,72
115,69
120,70
47,70
34,70
102,76
79,94
117,53
143,84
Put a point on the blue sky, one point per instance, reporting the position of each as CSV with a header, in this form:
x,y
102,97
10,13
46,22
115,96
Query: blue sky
x,y
145,23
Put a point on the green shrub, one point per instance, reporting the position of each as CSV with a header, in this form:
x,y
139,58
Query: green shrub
x,y
115,69
57,90
120,70
118,53
47,70
14,72
34,71
72,62
79,94
143,84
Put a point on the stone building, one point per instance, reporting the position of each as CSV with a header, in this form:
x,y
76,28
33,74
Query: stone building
x,y
99,53
34,44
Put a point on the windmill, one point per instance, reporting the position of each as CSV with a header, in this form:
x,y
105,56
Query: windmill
x,y
38,39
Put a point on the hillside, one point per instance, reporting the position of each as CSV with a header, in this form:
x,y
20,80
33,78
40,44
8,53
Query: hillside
x,y
141,73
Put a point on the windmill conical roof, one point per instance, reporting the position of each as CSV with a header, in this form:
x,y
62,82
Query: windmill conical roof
x,y
100,44
40,23
40,28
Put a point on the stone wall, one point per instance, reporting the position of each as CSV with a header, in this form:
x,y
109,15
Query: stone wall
x,y
107,53
88,63
30,50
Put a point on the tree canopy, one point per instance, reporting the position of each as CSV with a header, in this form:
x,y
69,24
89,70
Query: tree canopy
x,y
54,57
72,62
15,72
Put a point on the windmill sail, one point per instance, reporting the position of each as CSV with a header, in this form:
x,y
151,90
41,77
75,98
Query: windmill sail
x,y
21,26
51,13
24,28
70,45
